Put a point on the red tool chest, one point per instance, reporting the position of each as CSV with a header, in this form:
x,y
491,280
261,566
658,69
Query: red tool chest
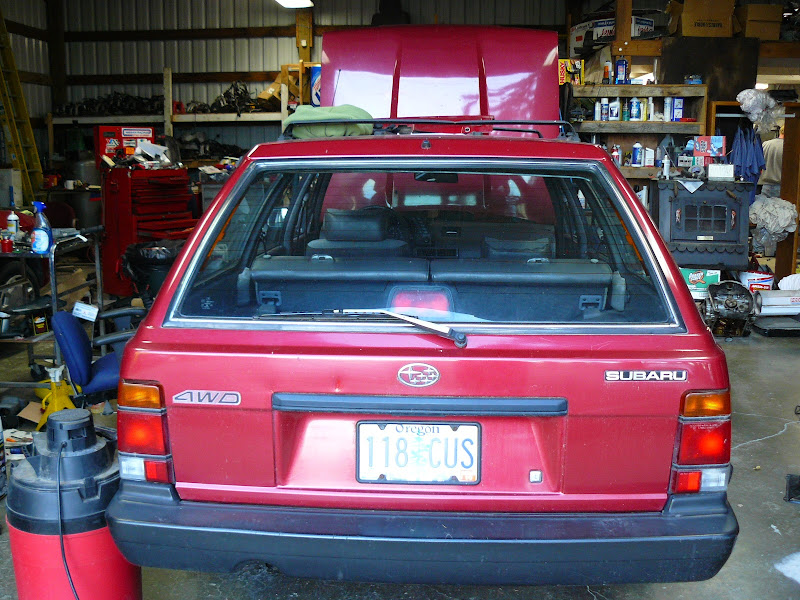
x,y
141,205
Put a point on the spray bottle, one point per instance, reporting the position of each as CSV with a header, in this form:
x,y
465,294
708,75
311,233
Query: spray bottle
x,y
42,235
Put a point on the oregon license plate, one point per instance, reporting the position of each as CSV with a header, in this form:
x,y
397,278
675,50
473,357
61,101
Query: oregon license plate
x,y
448,453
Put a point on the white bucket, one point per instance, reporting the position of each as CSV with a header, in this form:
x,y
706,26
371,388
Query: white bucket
x,y
756,280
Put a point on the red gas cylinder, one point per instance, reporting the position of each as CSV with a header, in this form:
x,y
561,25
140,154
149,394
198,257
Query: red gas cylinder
x,y
63,490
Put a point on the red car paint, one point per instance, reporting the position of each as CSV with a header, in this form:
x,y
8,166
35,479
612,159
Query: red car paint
x,y
609,456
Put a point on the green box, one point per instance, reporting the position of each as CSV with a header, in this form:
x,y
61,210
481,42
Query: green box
x,y
698,281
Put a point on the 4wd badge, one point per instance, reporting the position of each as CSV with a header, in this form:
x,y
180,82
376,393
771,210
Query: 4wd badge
x,y
207,397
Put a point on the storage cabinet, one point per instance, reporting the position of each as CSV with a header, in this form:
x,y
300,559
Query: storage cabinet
x,y
141,206
648,133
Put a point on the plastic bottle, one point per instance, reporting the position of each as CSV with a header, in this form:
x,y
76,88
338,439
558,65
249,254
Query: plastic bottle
x,y
604,109
12,221
621,72
598,111
667,109
615,156
651,109
626,115
42,235
636,109
613,110
636,155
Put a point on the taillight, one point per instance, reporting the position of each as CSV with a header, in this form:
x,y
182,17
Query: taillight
x,y
703,443
142,434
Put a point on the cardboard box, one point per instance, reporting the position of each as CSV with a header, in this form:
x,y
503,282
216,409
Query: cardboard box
x,y
701,18
570,70
698,281
762,21
109,139
605,29
709,145
10,178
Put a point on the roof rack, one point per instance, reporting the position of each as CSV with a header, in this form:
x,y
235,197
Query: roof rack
x,y
403,125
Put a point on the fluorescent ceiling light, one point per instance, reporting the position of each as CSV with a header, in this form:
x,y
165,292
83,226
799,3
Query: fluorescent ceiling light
x,y
762,86
295,3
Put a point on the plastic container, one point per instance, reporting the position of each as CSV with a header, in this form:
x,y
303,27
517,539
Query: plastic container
x,y
42,235
667,109
651,109
598,111
756,280
614,110
89,478
12,222
637,158
636,109
621,72
604,109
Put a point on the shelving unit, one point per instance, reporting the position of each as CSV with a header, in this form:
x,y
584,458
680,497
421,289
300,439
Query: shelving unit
x,y
168,118
647,133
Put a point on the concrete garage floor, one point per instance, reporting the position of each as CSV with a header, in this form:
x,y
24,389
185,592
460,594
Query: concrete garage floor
x,y
766,446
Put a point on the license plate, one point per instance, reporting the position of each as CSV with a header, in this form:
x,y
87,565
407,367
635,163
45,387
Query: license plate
x,y
445,453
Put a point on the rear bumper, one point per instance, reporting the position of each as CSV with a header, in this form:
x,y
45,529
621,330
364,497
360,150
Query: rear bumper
x,y
690,540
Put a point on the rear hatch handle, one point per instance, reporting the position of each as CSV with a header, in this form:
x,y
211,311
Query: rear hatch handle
x,y
459,338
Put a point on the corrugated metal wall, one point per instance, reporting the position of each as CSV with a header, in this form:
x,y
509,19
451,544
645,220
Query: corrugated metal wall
x,y
266,54
30,54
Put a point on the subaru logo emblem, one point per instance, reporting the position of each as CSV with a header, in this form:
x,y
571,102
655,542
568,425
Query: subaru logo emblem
x,y
418,375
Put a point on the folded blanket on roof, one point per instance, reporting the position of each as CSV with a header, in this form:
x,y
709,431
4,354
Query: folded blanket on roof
x,y
344,113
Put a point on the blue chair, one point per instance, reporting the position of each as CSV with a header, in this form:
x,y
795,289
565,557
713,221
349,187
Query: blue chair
x,y
96,378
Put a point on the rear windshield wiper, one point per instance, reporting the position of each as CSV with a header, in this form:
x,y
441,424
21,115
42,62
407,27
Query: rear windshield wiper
x,y
459,338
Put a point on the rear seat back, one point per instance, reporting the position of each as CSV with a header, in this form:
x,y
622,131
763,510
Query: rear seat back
x,y
356,233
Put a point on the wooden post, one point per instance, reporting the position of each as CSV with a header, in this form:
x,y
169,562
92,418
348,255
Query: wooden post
x,y
167,101
304,33
57,51
786,253
572,16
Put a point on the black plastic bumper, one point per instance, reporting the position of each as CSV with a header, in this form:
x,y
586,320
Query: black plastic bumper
x,y
690,540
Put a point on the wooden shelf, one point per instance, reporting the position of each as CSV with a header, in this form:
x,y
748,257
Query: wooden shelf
x,y
640,172
227,117
109,120
779,50
633,127
640,91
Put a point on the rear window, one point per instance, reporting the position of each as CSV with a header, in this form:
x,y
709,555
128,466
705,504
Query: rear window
x,y
543,245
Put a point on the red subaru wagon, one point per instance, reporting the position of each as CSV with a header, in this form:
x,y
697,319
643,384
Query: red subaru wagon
x,y
426,357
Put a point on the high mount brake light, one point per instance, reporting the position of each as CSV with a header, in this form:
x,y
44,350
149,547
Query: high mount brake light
x,y
703,443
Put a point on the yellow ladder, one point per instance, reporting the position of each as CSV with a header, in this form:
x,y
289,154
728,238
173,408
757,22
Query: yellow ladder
x,y
20,142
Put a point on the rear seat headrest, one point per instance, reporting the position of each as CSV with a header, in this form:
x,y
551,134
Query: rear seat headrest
x,y
355,225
